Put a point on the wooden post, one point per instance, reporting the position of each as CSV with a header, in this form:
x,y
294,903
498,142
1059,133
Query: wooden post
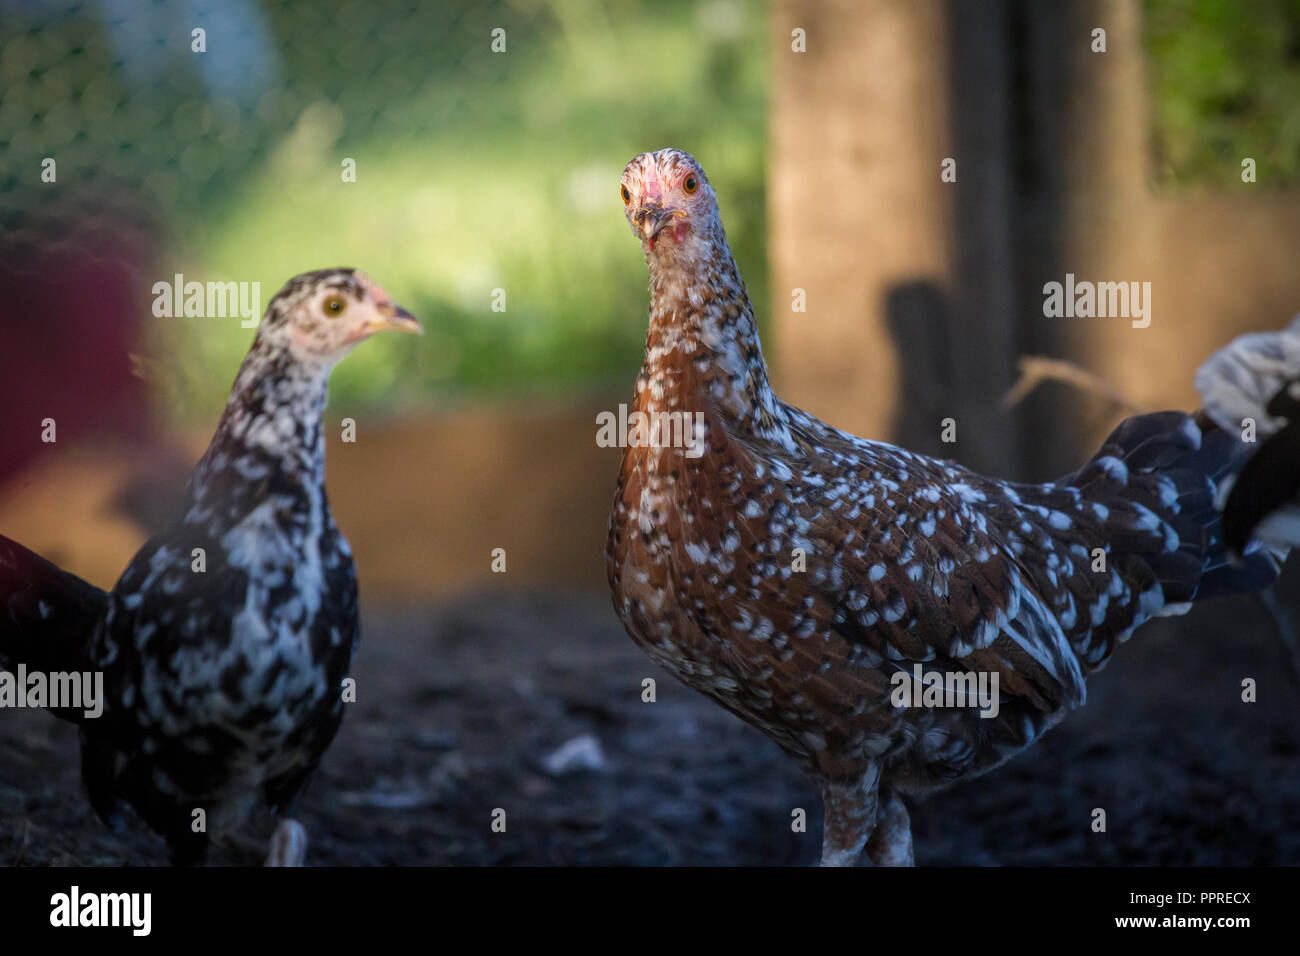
x,y
906,276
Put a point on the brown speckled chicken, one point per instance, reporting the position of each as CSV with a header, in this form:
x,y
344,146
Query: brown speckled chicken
x,y
811,582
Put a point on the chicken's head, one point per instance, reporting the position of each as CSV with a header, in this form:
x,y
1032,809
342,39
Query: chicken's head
x,y
669,204
320,316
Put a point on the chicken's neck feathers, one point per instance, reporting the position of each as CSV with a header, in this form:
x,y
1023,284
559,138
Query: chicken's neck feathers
x,y
702,347
269,440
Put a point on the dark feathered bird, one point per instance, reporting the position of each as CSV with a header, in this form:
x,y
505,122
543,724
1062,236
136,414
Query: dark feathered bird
x,y
816,584
1252,386
222,666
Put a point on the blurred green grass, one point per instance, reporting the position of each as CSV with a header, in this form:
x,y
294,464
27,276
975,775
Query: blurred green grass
x,y
513,187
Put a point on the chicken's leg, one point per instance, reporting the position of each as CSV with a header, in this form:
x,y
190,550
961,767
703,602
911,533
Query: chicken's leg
x,y
850,816
288,844
891,842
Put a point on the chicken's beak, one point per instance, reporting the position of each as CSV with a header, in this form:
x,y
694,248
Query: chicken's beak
x,y
387,313
393,316
651,217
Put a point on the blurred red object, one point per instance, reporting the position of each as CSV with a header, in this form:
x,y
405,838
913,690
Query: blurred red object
x,y
73,305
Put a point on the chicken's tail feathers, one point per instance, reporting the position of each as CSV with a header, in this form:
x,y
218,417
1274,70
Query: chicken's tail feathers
x,y
47,615
1160,477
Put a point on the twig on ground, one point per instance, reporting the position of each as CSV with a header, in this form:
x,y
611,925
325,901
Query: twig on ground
x,y
1037,369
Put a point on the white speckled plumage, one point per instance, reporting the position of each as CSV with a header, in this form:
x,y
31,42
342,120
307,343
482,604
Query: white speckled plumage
x,y
908,559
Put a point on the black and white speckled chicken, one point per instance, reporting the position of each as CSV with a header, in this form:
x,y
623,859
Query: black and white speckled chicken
x,y
813,582
223,668
1253,387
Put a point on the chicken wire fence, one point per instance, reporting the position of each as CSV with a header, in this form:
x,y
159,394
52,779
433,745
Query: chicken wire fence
x,y
159,109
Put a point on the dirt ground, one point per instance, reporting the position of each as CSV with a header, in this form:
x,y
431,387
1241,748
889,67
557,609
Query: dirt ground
x,y
461,705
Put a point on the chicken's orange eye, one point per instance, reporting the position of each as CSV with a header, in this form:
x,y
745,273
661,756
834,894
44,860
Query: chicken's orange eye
x,y
334,305
691,185
627,196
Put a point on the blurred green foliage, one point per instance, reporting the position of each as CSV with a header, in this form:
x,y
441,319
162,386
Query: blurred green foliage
x,y
475,170
1226,83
